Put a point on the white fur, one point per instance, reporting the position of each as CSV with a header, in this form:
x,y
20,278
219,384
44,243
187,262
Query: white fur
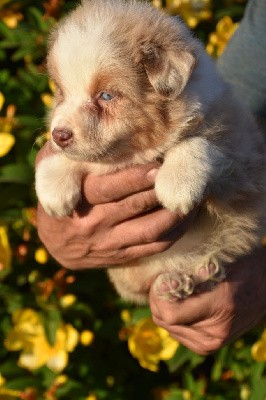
x,y
192,161
62,190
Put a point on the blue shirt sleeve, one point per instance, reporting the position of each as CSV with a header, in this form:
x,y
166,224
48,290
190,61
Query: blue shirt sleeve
x,y
243,62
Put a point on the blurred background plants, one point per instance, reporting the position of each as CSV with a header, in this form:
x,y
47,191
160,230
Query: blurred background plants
x,y
69,336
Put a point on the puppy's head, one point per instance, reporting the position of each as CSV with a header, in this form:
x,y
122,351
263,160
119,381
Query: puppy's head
x,y
120,70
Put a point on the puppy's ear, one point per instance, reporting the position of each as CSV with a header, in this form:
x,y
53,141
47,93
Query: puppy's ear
x,y
168,70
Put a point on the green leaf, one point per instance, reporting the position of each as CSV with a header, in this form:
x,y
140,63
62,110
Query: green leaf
x,y
182,356
71,389
219,364
51,320
43,23
5,31
21,383
16,173
9,369
140,313
12,298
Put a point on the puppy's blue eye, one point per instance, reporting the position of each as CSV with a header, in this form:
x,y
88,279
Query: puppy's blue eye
x,y
106,96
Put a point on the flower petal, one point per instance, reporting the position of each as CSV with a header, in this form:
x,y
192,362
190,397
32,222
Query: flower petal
x,y
7,141
30,360
5,250
58,361
2,100
258,350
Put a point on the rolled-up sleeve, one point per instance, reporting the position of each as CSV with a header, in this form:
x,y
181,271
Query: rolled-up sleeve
x,y
243,62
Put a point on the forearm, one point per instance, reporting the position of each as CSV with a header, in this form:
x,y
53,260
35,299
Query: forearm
x,y
243,62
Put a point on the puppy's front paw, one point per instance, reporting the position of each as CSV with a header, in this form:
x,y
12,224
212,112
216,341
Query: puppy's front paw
x,y
57,186
177,190
61,201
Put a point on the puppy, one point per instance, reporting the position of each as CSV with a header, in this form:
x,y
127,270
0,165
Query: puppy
x,y
133,86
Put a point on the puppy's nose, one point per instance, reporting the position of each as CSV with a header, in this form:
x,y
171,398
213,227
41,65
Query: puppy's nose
x,y
62,137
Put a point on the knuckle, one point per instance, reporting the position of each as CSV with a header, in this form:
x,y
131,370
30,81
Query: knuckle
x,y
170,318
212,344
91,223
140,202
97,189
149,234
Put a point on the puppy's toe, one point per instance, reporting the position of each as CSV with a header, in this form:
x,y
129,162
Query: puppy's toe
x,y
173,286
211,270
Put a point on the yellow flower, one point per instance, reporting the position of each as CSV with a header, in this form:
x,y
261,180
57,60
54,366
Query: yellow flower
x,y
28,335
258,350
7,141
192,11
91,397
11,18
150,344
157,3
2,100
2,380
61,380
86,337
68,300
110,380
219,39
245,392
41,255
5,250
51,85
125,315
47,99
187,395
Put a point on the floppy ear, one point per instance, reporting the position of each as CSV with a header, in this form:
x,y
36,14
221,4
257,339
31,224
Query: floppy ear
x,y
168,70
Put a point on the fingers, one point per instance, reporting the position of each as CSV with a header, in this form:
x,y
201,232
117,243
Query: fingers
x,y
201,342
134,205
148,228
190,322
118,185
182,312
202,322
161,226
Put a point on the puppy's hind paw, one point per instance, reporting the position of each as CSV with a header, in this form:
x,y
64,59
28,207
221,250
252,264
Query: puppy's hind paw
x,y
173,286
211,270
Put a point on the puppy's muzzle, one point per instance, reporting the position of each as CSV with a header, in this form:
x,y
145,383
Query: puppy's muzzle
x,y
62,137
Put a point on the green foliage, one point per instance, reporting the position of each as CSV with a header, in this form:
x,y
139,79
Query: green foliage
x,y
105,368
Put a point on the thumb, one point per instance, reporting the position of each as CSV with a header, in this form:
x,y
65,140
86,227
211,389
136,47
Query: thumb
x,y
181,312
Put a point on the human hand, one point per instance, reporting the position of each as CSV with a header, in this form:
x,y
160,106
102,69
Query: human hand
x,y
118,220
207,321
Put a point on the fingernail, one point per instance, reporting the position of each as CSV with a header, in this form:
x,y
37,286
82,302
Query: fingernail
x,y
151,175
